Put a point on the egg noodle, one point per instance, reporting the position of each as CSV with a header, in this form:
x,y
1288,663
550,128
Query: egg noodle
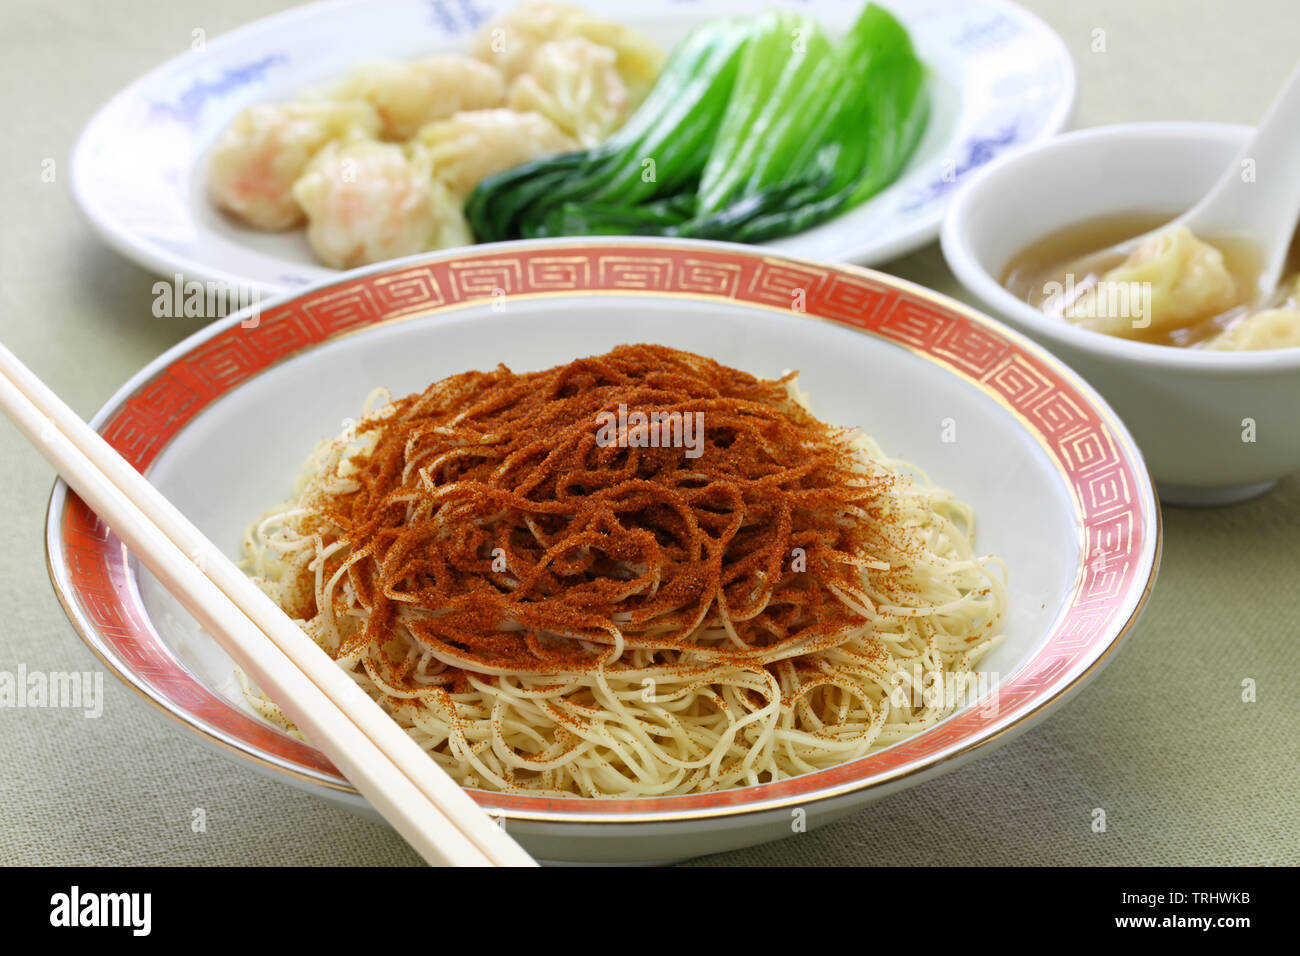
x,y
553,611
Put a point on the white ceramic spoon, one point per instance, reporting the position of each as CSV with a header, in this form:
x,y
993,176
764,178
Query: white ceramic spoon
x,y
1258,196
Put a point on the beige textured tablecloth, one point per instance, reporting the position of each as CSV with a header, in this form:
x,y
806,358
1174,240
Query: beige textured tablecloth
x,y
1187,772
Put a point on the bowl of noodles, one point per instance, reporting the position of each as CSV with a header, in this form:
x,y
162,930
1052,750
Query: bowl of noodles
x,y
658,547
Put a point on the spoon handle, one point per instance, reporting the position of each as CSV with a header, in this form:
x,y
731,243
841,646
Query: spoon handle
x,y
1259,195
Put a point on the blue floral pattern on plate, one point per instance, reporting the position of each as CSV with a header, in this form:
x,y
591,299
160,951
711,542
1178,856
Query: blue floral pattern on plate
x,y
200,92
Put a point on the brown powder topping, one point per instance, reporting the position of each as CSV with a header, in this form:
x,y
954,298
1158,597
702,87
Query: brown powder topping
x,y
521,523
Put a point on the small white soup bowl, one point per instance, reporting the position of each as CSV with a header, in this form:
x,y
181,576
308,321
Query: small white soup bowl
x,y
1215,427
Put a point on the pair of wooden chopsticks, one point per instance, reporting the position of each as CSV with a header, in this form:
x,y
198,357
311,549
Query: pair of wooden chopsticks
x,y
423,804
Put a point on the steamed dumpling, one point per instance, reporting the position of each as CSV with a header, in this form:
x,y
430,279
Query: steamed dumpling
x,y
473,145
576,84
1187,278
368,201
410,95
510,40
258,157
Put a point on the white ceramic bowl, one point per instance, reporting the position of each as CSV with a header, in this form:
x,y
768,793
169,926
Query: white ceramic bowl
x,y
1192,412
222,422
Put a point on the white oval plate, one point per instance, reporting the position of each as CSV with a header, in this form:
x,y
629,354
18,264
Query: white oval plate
x,y
222,423
1000,78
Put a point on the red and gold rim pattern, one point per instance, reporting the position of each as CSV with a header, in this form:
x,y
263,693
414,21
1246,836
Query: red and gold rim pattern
x,y
1106,476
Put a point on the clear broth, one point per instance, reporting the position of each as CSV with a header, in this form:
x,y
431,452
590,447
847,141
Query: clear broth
x,y
1047,260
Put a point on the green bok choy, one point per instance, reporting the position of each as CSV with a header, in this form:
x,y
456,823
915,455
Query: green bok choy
x,y
754,129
